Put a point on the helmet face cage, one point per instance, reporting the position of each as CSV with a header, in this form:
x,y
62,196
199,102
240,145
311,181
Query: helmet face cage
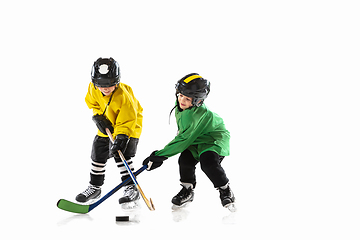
x,y
108,79
194,86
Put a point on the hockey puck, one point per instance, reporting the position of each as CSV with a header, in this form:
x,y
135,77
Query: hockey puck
x,y
122,218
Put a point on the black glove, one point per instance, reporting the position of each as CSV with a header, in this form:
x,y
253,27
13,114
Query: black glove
x,y
154,161
120,143
102,123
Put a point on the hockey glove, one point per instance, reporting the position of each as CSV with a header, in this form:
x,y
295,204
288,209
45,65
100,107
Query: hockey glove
x,y
154,161
102,123
120,143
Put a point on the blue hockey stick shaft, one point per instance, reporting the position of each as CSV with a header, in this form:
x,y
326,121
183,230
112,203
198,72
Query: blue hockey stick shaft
x,y
94,205
80,208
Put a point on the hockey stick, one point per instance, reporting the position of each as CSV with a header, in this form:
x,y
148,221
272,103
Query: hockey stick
x,y
79,208
149,204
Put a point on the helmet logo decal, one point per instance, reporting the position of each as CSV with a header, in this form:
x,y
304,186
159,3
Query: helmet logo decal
x,y
104,69
189,79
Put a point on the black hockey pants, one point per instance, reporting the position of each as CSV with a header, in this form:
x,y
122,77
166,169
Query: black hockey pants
x,y
101,153
210,164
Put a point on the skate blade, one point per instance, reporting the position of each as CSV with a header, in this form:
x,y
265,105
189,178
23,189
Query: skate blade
x,y
184,205
231,207
91,201
130,205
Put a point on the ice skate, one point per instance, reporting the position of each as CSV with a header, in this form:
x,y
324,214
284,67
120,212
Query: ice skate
x,y
91,193
183,198
227,198
131,197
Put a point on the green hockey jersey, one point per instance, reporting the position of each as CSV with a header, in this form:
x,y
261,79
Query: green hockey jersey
x,y
199,130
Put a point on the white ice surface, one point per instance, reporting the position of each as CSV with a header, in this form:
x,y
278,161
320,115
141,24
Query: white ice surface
x,y
285,78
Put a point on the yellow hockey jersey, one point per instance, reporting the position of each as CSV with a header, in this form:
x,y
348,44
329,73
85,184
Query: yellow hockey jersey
x,y
124,110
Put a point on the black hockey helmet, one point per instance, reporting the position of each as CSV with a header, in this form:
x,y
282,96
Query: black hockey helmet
x,y
105,72
194,86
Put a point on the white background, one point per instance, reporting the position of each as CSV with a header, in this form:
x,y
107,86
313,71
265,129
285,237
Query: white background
x,y
284,78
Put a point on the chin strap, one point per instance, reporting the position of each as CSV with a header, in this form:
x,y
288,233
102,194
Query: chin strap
x,y
171,113
109,101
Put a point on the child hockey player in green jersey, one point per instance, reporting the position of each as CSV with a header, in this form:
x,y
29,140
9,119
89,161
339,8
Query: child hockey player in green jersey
x,y
116,108
202,138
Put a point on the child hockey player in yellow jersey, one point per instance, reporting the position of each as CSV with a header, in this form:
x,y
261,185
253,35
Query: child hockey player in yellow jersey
x,y
116,108
202,138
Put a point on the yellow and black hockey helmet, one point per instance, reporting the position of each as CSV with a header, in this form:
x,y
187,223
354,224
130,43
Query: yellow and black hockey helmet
x,y
105,72
194,86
